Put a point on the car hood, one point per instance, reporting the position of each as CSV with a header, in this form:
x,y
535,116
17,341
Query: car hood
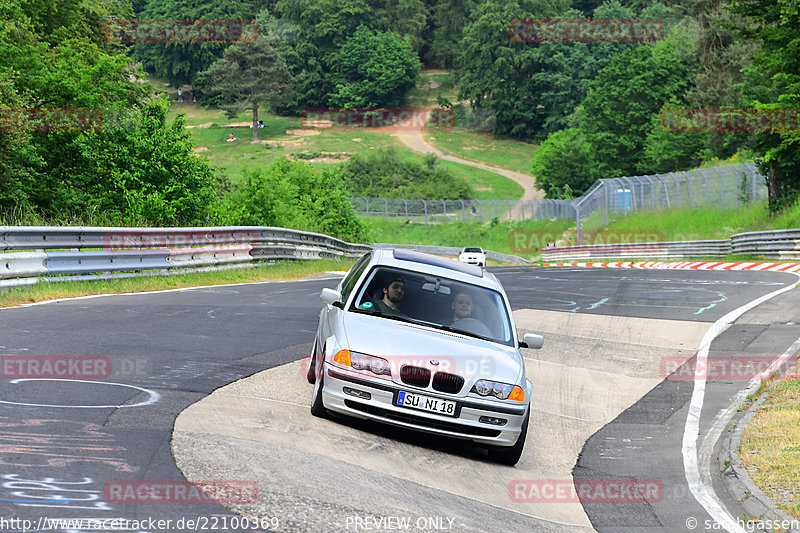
x,y
403,343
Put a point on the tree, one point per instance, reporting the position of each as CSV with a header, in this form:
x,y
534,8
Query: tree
x,y
180,62
248,75
616,115
564,164
532,88
670,151
447,21
137,168
374,70
773,82
324,26
117,156
294,194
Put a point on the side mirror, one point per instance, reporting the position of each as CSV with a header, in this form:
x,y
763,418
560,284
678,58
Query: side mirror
x,y
531,340
332,297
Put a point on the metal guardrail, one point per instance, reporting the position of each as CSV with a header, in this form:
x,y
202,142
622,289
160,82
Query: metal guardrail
x,y
654,250
452,250
32,253
778,244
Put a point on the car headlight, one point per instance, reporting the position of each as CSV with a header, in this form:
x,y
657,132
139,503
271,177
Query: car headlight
x,y
503,391
360,361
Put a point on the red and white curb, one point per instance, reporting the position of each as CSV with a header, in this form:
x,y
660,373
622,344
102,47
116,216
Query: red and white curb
x,y
689,265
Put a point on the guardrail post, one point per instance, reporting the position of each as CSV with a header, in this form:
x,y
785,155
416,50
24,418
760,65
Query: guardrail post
x,y
405,202
425,206
367,201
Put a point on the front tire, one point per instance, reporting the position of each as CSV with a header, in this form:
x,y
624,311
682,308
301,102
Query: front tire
x,y
311,373
510,455
317,407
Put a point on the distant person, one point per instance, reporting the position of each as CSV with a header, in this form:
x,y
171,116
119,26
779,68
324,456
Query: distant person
x,y
231,138
180,95
393,293
194,95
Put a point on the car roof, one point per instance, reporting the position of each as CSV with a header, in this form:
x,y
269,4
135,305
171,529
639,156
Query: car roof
x,y
434,265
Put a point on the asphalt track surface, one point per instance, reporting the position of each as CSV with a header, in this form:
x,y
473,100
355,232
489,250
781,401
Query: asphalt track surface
x,y
62,442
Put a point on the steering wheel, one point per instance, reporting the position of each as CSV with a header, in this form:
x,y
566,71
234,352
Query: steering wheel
x,y
472,325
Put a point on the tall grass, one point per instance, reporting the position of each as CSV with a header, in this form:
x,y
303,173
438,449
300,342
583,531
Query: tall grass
x,y
491,236
288,270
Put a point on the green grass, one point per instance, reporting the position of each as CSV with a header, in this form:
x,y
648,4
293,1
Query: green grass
x,y
770,445
65,289
485,185
484,148
700,222
209,131
237,157
495,237
425,94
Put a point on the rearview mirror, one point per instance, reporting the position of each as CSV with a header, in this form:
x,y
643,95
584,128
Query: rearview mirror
x,y
332,297
531,340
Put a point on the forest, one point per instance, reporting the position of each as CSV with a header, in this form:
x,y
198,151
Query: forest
x,y
83,131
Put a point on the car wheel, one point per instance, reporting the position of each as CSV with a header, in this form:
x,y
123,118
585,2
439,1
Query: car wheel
x,y
509,455
311,373
317,407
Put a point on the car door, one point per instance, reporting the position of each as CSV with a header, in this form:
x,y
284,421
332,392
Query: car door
x,y
329,316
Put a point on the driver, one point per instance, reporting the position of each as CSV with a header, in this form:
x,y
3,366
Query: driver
x,y
393,293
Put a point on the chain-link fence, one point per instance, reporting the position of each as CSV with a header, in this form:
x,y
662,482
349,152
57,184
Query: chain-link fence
x,y
434,211
725,187
722,187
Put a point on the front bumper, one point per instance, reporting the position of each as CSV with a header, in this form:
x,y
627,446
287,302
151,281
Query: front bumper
x,y
380,406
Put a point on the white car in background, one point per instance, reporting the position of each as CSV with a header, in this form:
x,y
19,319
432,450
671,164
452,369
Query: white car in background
x,y
424,366
473,255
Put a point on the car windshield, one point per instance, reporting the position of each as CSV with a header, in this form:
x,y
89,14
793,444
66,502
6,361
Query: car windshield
x,y
434,301
475,250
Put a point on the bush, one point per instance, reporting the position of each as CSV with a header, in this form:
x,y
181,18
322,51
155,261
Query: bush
x,y
293,194
564,164
384,174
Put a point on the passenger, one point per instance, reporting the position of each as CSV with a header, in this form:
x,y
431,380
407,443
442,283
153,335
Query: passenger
x,y
462,305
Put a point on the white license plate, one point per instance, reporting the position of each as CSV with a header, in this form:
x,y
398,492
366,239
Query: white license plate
x,y
426,403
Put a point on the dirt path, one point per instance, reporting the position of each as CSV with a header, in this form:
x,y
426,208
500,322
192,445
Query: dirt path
x,y
413,139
